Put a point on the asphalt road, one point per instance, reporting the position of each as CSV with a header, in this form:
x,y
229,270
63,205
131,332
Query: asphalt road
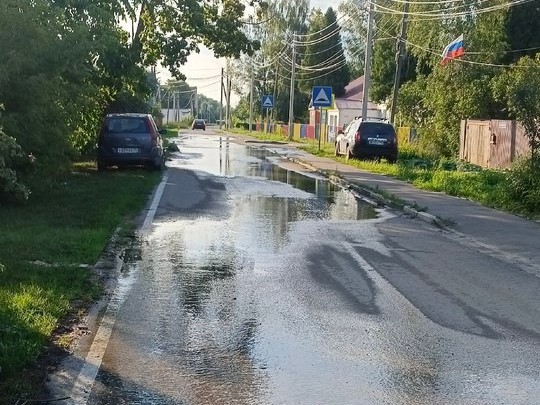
x,y
261,283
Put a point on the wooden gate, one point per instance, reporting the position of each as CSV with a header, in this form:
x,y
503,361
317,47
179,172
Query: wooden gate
x,y
492,143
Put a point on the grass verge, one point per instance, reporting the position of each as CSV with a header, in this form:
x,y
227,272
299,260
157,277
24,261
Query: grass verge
x,y
46,248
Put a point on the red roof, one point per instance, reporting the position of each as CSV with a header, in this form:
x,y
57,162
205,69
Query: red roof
x,y
354,90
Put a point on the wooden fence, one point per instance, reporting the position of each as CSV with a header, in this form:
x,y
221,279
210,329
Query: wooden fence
x,y
492,143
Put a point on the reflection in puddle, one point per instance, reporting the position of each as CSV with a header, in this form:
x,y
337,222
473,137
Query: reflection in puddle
x,y
255,174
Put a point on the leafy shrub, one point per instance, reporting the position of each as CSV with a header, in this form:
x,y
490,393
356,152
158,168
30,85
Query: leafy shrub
x,y
242,125
523,185
10,156
448,164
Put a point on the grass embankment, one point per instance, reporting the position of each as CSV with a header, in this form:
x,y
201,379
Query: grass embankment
x,y
42,245
506,190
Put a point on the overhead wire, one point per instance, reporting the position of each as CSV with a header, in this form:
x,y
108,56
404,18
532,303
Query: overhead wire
x,y
441,14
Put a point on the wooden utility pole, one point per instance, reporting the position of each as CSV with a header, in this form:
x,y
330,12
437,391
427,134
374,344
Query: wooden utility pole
x,y
367,64
251,98
291,93
400,55
221,102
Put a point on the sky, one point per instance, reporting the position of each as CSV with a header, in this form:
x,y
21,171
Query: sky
x,y
205,66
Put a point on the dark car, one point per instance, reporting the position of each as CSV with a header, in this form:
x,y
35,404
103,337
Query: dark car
x,y
199,124
368,139
130,139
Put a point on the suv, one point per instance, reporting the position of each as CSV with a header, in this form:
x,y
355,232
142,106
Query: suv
x,y
368,139
199,124
130,139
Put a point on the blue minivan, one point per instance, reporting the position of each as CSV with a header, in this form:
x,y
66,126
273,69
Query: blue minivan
x,y
130,140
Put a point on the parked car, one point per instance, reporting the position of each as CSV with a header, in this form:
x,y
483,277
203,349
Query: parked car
x,y
199,124
368,139
128,140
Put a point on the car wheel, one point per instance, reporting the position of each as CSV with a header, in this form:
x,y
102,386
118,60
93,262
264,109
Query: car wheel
x,y
348,154
337,148
101,166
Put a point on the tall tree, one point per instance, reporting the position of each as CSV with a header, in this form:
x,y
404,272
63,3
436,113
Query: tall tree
x,y
354,30
274,27
323,58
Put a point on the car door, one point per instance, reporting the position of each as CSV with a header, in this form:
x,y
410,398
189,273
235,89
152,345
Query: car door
x,y
349,135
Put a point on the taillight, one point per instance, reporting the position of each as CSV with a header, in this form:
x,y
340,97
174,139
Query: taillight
x,y
357,136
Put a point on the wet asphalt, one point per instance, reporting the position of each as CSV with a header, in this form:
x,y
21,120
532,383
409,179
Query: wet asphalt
x,y
262,283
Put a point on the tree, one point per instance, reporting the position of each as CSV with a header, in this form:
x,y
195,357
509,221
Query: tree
x,y
10,155
519,87
354,34
274,28
439,97
323,59
169,33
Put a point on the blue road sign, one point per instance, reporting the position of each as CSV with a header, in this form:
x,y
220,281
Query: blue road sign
x,y
321,96
268,101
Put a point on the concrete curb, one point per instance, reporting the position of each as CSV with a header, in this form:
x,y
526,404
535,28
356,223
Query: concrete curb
x,y
373,197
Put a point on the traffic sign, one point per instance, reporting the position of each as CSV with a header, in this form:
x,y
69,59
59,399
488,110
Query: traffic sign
x,y
268,101
321,96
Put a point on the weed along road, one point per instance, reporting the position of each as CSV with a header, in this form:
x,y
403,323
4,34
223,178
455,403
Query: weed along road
x,y
259,282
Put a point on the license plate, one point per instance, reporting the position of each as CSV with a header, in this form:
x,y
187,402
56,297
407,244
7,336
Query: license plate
x,y
127,150
376,141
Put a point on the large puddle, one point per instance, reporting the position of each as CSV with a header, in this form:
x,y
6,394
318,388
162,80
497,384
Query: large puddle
x,y
256,173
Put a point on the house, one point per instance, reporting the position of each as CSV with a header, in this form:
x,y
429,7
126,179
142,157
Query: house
x,y
349,106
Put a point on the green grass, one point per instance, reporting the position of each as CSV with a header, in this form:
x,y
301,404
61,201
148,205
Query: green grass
x,y
270,137
460,179
64,226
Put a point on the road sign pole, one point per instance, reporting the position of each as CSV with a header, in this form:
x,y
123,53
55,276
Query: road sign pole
x,y
319,125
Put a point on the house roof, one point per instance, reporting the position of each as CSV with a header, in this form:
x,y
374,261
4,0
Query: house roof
x,y
347,104
354,90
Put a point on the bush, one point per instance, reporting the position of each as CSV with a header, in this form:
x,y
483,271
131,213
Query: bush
x,y
10,156
523,185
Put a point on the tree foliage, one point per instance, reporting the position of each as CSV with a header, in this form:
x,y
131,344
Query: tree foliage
x,y
436,98
323,58
519,87
65,63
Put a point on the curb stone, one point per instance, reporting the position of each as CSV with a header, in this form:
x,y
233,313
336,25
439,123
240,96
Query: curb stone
x,y
376,199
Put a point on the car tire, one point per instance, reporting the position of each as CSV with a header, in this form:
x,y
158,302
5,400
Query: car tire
x,y
337,149
348,154
101,166
159,165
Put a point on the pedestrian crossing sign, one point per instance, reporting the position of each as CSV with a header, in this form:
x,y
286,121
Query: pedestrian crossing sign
x,y
268,101
321,96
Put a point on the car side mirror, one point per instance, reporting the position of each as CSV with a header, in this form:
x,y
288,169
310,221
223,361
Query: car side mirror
x,y
340,132
162,132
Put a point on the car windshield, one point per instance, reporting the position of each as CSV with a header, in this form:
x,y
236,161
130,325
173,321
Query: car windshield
x,y
126,125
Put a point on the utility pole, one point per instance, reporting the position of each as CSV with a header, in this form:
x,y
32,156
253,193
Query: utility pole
x,y
291,93
367,64
227,97
400,55
221,102
251,99
229,90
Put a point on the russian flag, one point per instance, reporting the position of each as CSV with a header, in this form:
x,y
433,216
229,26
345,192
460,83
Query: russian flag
x,y
453,50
